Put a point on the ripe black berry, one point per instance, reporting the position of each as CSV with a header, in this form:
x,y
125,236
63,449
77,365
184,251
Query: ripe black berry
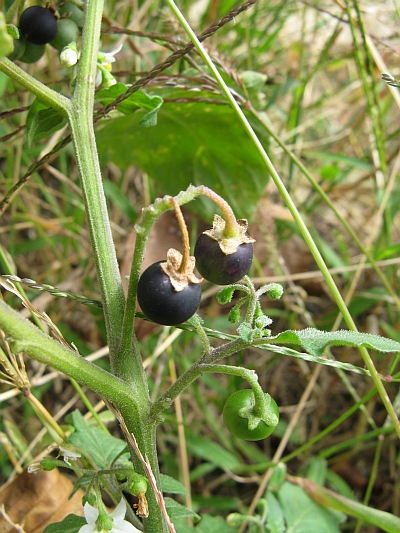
x,y
38,25
161,302
220,268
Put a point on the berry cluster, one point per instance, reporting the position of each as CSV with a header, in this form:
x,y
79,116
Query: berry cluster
x,y
39,26
169,293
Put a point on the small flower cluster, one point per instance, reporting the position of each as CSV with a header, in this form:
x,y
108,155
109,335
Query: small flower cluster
x,y
107,523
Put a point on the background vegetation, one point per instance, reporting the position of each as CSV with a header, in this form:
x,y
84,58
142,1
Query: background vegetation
x,y
308,75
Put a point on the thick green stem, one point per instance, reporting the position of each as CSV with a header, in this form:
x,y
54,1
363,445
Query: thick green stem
x,y
133,399
25,337
47,95
145,434
81,123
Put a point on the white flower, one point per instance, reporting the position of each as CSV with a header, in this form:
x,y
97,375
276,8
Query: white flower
x,y
104,66
34,468
68,455
106,58
119,524
69,56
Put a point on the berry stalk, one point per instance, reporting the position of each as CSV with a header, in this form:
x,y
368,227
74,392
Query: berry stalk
x,y
185,237
231,225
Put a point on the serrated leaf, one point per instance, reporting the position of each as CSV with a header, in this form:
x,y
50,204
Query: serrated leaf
x,y
284,350
44,123
171,485
176,510
102,447
315,341
71,524
192,143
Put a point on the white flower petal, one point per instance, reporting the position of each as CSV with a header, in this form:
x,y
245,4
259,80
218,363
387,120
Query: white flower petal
x,y
91,513
119,524
124,527
119,512
88,528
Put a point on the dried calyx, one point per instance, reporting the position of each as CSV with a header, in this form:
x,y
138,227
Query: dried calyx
x,y
179,277
229,245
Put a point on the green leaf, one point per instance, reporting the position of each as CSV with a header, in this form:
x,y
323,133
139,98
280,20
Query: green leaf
x,y
234,313
176,510
253,80
71,524
13,31
245,332
275,518
103,448
315,341
284,350
192,143
208,524
42,121
150,118
213,524
137,100
224,296
211,452
303,515
383,520
171,485
353,162
316,470
81,482
113,191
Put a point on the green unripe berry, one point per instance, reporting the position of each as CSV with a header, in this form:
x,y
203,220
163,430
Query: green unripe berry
x,y
73,12
19,49
67,32
33,52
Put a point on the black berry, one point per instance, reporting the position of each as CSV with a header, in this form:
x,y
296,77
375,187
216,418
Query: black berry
x,y
218,267
161,302
38,25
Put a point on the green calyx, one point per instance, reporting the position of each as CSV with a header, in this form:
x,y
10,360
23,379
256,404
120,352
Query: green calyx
x,y
104,522
256,413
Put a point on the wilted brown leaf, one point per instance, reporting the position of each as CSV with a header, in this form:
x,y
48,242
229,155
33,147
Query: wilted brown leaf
x,y
37,500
